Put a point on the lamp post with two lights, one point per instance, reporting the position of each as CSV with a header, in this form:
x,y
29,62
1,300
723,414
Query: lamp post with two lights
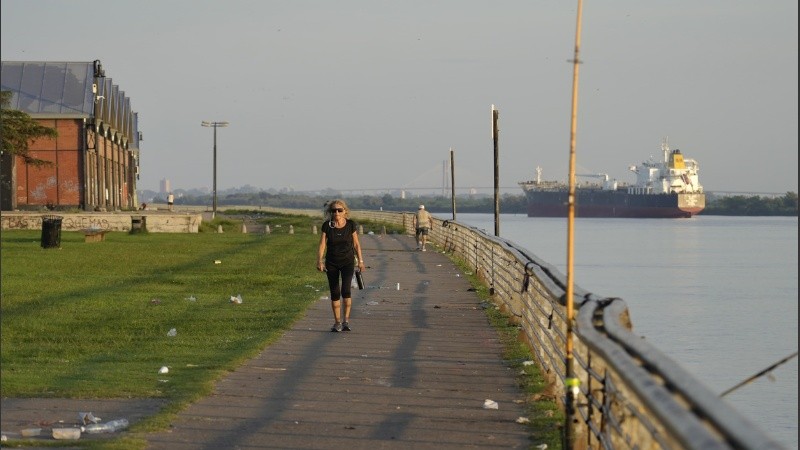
x,y
214,125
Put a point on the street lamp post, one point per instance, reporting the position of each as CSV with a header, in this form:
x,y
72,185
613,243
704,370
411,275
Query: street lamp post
x,y
214,125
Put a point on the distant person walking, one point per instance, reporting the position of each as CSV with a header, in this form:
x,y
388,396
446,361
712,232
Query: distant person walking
x,y
338,248
422,224
170,200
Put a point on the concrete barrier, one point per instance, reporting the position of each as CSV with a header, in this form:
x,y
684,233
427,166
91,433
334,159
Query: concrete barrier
x,y
119,221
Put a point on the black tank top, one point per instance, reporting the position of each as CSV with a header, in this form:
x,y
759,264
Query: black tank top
x,y
339,244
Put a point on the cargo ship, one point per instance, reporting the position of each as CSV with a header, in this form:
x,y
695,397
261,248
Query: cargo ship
x,y
663,189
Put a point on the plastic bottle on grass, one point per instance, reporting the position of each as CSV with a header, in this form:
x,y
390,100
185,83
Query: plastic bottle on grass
x,y
107,427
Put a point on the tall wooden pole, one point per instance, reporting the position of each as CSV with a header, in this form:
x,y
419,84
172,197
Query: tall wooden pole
x,y
571,383
453,181
495,114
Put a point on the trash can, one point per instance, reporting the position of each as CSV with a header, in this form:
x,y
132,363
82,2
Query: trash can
x,y
138,224
51,231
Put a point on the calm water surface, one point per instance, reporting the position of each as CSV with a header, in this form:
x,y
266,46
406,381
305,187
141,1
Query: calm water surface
x,y
716,294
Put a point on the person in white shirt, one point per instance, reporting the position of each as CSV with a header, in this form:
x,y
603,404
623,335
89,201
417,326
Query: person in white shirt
x,y
422,224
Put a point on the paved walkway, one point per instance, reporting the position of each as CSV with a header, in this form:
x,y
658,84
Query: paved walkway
x,y
414,372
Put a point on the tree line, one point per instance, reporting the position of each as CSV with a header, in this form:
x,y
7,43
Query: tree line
x,y
739,205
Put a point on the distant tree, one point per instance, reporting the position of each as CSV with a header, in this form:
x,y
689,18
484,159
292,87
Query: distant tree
x,y
18,130
740,205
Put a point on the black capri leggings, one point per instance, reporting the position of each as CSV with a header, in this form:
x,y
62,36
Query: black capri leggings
x,y
334,272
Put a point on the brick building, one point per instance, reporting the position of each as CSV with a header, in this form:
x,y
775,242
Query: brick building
x,y
96,153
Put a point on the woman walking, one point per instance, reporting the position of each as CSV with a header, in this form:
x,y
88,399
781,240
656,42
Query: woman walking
x,y
338,248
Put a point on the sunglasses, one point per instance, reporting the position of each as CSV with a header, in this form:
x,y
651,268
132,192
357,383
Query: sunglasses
x,y
339,210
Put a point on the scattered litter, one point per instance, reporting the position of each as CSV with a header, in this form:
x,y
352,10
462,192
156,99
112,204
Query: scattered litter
x,y
163,381
490,404
67,433
108,427
372,303
324,297
527,363
191,298
172,332
237,299
4,438
398,286
87,417
155,301
163,369
521,419
30,432
217,261
438,265
542,446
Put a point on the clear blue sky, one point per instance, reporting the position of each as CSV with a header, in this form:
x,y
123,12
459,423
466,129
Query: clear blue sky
x,y
367,94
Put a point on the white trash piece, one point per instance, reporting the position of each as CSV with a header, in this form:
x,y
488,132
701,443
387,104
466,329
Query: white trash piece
x,y
108,427
172,332
490,404
163,369
237,299
87,417
67,433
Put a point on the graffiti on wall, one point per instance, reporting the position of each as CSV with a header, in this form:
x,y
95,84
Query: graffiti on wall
x,y
67,223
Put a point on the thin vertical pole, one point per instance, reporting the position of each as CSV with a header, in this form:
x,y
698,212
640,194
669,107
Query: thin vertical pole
x,y
453,181
495,115
214,206
571,383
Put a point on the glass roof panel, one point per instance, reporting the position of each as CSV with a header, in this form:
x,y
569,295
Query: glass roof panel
x,y
50,87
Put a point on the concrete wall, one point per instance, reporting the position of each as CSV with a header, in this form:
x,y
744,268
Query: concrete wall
x,y
154,222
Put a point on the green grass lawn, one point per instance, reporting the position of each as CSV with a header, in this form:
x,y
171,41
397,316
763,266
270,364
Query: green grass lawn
x,y
90,320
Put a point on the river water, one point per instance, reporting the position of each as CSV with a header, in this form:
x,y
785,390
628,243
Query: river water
x,y
716,294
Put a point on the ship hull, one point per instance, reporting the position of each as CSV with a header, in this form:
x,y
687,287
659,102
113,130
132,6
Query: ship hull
x,y
600,203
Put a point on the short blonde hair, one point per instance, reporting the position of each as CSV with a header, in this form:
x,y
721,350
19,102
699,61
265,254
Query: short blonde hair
x,y
341,204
